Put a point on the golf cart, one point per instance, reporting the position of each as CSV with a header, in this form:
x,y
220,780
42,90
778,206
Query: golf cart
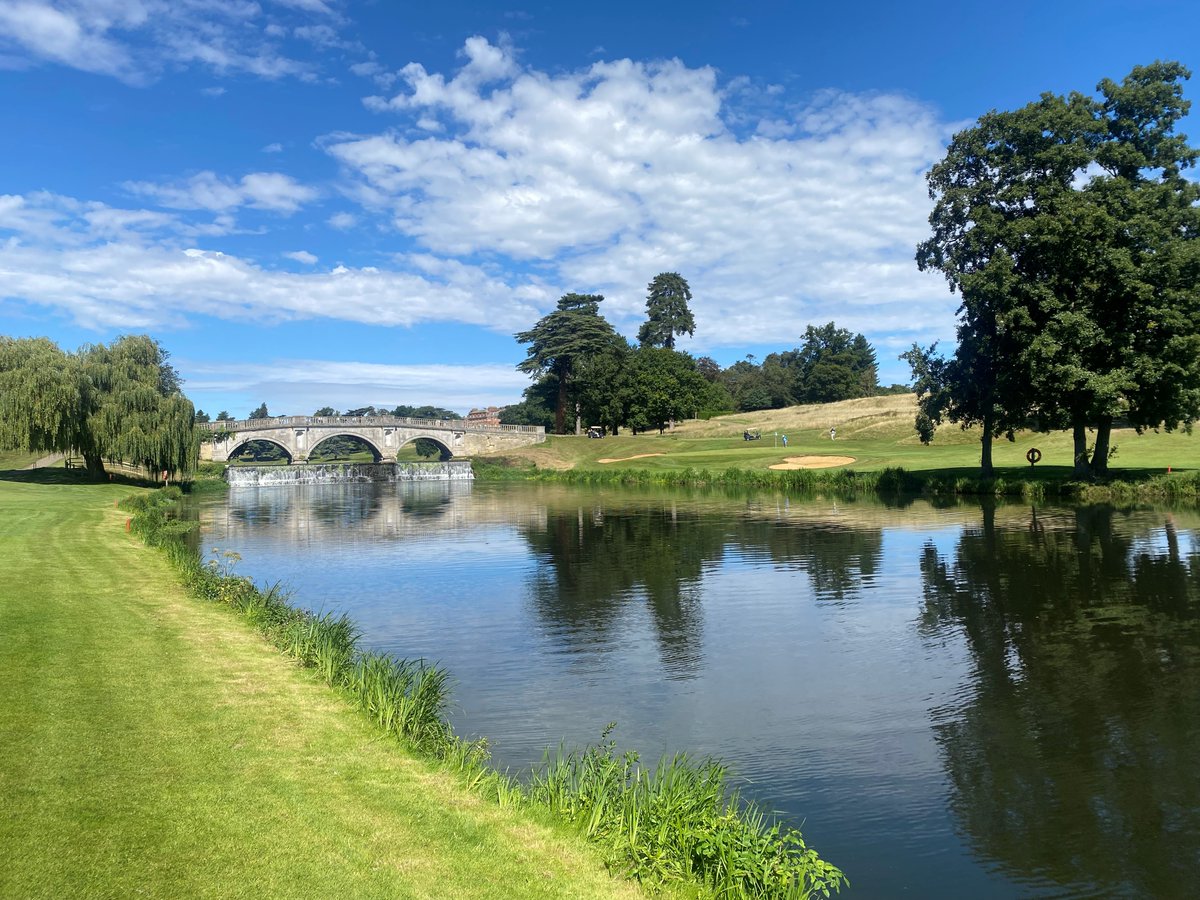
x,y
595,431
749,435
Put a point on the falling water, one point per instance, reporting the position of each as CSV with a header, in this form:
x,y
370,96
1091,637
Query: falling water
x,y
340,473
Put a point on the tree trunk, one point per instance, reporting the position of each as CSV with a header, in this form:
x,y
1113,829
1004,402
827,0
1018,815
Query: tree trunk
x,y
578,421
1082,468
1103,438
985,450
560,411
95,465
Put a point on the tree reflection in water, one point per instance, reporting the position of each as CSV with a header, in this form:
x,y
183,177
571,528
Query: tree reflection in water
x,y
1077,757
596,560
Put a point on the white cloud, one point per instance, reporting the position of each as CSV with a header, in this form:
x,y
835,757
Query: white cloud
x,y
70,35
118,269
206,190
292,385
317,6
536,184
134,40
608,175
212,91
273,148
302,256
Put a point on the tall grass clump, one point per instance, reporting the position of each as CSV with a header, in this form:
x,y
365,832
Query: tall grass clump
x,y
680,822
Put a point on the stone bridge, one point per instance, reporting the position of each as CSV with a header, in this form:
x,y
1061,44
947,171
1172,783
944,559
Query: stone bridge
x,y
299,436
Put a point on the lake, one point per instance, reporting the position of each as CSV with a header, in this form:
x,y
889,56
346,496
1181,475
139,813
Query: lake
x,y
993,699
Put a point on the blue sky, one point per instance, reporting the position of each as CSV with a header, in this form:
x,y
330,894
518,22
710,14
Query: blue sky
x,y
323,202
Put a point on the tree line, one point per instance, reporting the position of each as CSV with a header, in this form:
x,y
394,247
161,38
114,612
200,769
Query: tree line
x,y
1069,230
584,371
401,411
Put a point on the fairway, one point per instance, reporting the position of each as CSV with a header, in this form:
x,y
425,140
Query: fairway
x,y
153,745
872,433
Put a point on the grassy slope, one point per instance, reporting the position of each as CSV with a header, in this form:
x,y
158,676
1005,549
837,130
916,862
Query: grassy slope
x,y
15,459
877,432
150,744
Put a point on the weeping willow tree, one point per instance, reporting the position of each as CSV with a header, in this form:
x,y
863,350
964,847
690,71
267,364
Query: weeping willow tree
x,y
120,403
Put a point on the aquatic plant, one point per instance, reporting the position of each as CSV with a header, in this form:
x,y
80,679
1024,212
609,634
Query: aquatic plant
x,y
680,822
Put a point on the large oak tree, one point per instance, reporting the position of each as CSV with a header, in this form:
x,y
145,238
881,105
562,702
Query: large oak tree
x,y
1070,232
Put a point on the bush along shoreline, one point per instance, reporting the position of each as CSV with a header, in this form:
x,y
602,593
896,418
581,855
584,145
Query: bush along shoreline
x,y
677,823
851,482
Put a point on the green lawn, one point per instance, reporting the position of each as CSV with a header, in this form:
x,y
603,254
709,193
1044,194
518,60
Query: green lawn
x,y
875,432
152,745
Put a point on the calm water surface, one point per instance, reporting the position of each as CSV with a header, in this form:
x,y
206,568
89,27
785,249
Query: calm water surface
x,y
991,701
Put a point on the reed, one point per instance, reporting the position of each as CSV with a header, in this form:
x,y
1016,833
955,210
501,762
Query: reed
x,y
680,821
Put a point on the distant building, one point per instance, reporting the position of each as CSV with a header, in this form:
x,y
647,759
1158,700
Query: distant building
x,y
489,416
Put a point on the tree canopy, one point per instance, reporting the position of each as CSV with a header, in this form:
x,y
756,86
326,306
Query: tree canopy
x,y
560,342
1069,231
831,364
667,311
120,402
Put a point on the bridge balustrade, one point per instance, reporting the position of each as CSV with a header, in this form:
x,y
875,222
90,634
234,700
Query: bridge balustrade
x,y
370,421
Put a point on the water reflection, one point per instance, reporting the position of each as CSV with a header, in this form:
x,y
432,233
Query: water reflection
x,y
594,561
1075,758
1006,696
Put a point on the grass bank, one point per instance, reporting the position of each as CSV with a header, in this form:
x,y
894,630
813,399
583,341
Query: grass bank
x,y
153,745
877,435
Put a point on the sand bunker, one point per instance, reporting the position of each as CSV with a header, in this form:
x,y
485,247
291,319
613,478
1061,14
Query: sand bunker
x,y
627,458
811,462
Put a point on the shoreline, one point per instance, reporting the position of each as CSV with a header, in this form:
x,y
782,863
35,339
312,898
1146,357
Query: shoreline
x,y
615,802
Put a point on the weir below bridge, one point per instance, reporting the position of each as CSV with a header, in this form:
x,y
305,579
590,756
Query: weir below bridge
x,y
299,436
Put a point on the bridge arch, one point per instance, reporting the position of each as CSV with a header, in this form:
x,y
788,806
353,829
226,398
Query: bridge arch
x,y
241,445
360,438
445,454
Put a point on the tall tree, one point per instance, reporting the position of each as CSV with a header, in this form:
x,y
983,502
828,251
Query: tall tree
x,y
120,402
1070,231
260,412
667,311
561,341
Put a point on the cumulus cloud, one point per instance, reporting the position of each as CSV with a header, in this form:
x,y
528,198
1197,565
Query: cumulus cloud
x,y
302,256
135,269
206,190
134,40
515,185
610,174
